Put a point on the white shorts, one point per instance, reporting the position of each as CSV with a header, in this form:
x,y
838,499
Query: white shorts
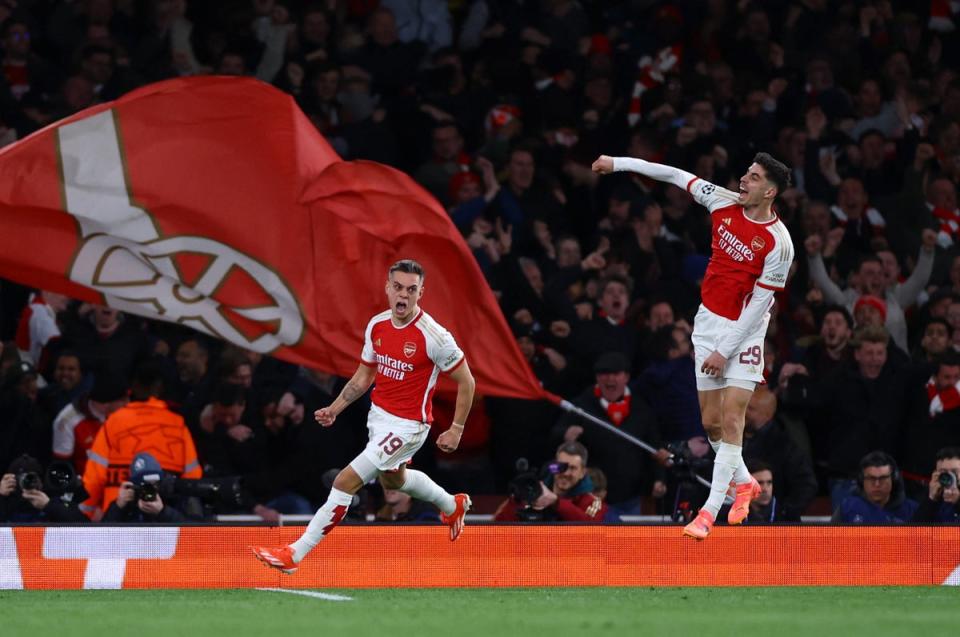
x,y
744,368
393,441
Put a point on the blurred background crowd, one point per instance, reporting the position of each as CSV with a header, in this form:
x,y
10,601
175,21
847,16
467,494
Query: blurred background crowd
x,y
498,108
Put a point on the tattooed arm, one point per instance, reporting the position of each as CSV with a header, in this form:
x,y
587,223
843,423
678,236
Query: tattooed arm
x,y
354,389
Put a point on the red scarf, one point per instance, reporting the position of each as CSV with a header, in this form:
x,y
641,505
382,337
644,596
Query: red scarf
x,y
617,411
651,72
944,399
602,314
949,221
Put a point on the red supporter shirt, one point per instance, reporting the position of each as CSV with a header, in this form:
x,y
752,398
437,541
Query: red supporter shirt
x,y
408,360
744,252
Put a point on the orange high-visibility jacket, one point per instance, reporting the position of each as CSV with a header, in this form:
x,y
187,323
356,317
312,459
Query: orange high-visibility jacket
x,y
140,426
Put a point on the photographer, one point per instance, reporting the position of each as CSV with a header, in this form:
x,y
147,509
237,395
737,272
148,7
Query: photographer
x,y
138,499
942,504
632,472
566,493
25,498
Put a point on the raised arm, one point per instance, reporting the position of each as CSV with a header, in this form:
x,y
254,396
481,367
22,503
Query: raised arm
x,y
710,196
661,172
908,291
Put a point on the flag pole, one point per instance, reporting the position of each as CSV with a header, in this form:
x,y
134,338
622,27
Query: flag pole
x,y
566,405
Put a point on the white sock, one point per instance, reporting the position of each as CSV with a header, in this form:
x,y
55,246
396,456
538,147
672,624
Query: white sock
x,y
419,485
326,517
741,475
728,458
715,444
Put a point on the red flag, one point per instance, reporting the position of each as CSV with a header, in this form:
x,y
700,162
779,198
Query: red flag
x,y
215,203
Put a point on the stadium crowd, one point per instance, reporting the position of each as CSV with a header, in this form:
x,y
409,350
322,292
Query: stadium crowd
x,y
498,108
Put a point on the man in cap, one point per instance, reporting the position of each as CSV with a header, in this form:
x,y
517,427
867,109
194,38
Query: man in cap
x,y
138,499
631,472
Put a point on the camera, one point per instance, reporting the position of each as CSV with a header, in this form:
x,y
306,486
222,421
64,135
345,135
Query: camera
x,y
29,480
64,483
525,488
947,479
147,491
683,464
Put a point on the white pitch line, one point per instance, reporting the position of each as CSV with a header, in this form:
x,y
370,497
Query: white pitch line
x,y
327,596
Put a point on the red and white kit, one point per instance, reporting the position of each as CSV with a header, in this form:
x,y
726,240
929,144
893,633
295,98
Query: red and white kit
x,y
749,262
409,360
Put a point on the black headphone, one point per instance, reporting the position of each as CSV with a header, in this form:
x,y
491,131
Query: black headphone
x,y
880,459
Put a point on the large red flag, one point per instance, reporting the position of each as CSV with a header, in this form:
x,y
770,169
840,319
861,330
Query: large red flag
x,y
215,203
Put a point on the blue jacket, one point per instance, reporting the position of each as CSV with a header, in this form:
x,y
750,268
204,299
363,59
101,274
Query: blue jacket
x,y
857,510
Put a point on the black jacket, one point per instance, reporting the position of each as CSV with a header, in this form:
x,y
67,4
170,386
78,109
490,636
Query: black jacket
x,y
630,470
794,483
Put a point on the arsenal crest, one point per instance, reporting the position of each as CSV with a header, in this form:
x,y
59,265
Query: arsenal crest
x,y
757,244
409,349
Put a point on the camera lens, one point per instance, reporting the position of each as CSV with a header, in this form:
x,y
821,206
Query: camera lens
x,y
947,479
29,481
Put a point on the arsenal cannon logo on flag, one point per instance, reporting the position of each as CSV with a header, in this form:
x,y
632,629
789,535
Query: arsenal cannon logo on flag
x,y
215,203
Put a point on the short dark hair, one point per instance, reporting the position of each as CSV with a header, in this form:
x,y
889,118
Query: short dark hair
x,y
877,459
229,394
147,380
936,320
623,280
574,448
69,353
868,258
409,266
948,359
199,340
839,309
776,171
661,342
948,452
755,464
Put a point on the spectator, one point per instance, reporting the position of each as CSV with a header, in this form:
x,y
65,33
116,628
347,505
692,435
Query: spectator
x,y
400,507
106,340
864,407
145,424
76,426
669,385
870,280
632,473
937,335
22,431
448,159
192,389
934,421
566,495
68,384
426,22
608,330
833,350
880,494
942,502
766,507
766,439
38,326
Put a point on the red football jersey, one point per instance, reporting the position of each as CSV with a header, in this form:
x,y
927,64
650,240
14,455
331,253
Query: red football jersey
x,y
74,431
744,252
408,360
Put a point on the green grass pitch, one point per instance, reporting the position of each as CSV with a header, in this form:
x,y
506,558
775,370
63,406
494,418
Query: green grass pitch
x,y
584,612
